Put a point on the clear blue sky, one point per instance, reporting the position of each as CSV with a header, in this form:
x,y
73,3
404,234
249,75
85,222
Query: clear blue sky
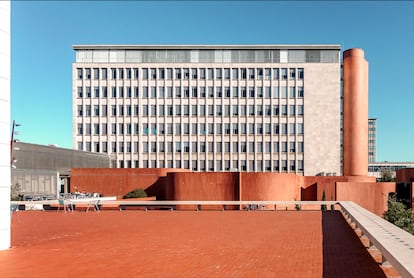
x,y
43,34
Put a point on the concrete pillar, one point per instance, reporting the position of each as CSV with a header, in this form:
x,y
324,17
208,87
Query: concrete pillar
x,y
355,143
5,179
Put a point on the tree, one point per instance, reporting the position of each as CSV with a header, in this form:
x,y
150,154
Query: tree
x,y
323,207
386,176
15,191
137,193
399,215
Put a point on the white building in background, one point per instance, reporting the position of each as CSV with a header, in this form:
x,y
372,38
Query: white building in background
x,y
257,108
372,140
4,124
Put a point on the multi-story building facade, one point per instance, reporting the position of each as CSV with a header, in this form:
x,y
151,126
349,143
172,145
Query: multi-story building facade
x,y
210,108
372,140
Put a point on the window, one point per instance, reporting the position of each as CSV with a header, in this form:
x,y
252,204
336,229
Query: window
x,y
227,73
219,74
203,73
170,148
243,147
226,128
235,73
251,128
219,147
95,73
194,73
145,92
235,92
251,147
153,73
300,73
268,110
251,110
186,73
259,73
268,73
259,128
153,92
194,110
235,147
284,147
227,110
300,92
292,147
136,75
284,129
300,128
292,73
227,147
80,129
219,110
202,91
211,147
194,129
300,110
104,129
79,73
284,73
169,73
251,73
121,73
211,92
129,74
186,128
292,92
194,148
88,91
178,92
275,73
178,147
243,110
210,73
145,110
251,92
235,110
96,110
177,129
113,73
300,147
219,129
80,111
292,109
145,73
104,73
113,110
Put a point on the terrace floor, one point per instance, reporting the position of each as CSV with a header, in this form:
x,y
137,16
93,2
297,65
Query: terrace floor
x,y
185,244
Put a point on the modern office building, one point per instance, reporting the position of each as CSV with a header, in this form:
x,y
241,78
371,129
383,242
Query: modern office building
x,y
372,140
259,108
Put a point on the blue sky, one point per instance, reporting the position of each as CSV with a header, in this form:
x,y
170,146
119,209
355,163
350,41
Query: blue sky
x,y
43,33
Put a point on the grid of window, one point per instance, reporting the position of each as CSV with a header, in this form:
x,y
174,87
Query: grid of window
x,y
196,120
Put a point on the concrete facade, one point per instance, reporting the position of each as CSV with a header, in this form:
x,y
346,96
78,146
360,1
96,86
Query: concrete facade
x,y
259,108
5,54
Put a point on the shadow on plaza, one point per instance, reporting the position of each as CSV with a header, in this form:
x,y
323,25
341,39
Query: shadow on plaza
x,y
343,253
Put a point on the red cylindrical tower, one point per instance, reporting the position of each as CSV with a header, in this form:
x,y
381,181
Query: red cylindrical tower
x,y
355,91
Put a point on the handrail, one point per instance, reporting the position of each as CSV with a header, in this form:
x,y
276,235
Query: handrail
x,y
395,244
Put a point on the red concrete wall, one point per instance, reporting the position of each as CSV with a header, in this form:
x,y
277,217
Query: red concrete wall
x,y
370,195
269,186
205,186
405,175
119,181
312,187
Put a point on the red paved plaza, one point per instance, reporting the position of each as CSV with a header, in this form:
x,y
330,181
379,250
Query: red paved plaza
x,y
185,244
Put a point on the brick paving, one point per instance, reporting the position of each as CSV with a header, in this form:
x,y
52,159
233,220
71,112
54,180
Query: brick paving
x,y
185,244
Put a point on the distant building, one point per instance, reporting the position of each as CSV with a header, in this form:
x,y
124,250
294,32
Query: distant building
x,y
45,170
372,140
258,108
375,169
